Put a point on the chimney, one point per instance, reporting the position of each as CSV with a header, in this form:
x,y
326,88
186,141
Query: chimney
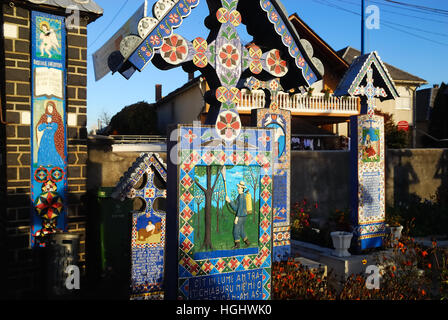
x,y
158,92
436,86
190,76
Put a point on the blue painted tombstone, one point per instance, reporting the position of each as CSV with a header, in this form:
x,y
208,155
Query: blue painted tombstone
x,y
280,121
148,225
48,126
201,264
368,148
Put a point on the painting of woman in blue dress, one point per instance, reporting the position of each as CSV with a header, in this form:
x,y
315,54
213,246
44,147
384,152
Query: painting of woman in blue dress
x,y
50,138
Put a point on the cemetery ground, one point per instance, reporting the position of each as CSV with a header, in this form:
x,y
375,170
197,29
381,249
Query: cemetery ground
x,y
412,267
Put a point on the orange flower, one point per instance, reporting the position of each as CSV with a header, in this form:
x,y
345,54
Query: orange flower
x,y
429,265
312,275
423,292
424,253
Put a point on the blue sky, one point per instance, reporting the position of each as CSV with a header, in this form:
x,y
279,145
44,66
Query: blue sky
x,y
409,39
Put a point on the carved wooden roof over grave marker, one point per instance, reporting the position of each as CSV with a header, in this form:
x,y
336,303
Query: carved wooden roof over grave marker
x,y
357,75
145,164
368,77
89,6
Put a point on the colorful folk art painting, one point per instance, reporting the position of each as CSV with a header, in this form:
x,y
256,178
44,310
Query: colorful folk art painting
x,y
234,263
368,193
48,127
148,224
233,222
280,122
371,144
48,37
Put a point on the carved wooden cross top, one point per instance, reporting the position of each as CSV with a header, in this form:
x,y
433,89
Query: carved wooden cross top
x,y
222,60
370,91
273,86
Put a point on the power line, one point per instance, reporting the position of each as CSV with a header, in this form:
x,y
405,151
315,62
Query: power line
x,y
404,26
435,10
112,21
386,23
401,14
405,8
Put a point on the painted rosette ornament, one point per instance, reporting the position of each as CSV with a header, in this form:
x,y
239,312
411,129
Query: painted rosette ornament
x,y
49,206
200,59
174,49
56,174
41,175
228,125
276,65
229,56
255,53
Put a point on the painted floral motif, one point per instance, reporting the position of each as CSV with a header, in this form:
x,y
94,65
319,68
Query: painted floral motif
x,y
228,125
174,49
174,18
229,56
155,41
264,139
190,136
277,66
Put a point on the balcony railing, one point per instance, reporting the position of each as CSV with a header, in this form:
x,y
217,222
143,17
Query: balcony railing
x,y
303,104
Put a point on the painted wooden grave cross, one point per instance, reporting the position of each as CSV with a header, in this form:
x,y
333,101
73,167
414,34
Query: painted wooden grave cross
x,y
370,92
367,148
219,270
148,225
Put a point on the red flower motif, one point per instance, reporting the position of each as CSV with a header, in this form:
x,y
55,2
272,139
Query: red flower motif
x,y
174,18
155,40
228,124
276,64
174,49
190,136
229,56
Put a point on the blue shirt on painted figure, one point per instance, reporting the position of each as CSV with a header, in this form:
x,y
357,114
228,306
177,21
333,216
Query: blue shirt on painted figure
x,y
239,205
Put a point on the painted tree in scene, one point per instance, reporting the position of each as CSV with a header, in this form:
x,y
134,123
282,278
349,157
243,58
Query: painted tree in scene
x,y
219,196
199,198
208,194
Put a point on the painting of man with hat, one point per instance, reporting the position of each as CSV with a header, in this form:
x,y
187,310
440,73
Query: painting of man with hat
x,y
239,206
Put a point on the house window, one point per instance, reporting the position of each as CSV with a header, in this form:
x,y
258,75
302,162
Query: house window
x,y
404,102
